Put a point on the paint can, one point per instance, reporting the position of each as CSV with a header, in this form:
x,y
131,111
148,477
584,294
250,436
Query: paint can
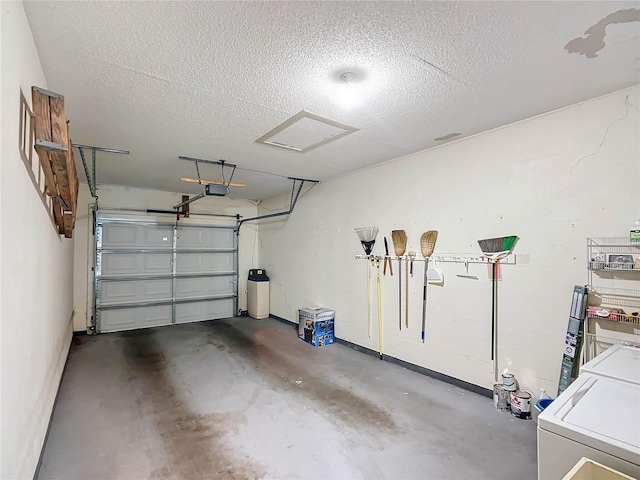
x,y
500,397
521,404
509,382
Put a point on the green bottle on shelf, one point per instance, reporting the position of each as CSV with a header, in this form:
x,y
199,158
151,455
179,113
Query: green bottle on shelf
x,y
634,233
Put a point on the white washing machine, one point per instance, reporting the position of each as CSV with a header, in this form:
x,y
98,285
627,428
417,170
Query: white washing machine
x,y
595,417
619,362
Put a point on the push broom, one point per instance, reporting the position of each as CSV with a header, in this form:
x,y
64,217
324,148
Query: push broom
x,y
427,244
495,249
399,238
367,236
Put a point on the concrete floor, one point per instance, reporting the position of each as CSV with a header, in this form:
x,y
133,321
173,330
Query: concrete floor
x,y
245,399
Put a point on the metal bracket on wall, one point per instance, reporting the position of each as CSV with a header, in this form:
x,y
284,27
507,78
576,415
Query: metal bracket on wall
x,y
91,176
295,194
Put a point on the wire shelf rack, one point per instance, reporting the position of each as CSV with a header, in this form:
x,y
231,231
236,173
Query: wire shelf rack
x,y
625,298
614,244
612,266
595,345
613,315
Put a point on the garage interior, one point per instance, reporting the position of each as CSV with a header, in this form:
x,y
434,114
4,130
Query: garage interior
x,y
155,155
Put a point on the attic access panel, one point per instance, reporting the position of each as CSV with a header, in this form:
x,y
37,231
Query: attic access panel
x,y
306,131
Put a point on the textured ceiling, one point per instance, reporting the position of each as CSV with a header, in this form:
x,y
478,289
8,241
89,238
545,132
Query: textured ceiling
x,y
206,79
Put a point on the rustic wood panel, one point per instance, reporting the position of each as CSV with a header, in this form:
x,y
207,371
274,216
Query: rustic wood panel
x,y
42,129
58,121
61,178
67,218
59,135
73,181
57,215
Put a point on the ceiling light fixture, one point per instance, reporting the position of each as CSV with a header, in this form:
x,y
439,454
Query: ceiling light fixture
x,y
348,77
348,94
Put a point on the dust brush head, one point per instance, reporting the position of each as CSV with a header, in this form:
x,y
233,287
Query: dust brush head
x,y
367,236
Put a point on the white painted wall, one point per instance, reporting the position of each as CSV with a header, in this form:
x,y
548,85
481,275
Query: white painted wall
x,y
525,179
36,267
115,197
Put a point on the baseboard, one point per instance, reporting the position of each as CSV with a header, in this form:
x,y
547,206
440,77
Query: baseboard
x,y
55,401
408,365
283,320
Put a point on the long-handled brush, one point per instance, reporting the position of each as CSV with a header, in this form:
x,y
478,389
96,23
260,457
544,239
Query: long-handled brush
x,y
367,236
399,238
411,256
377,264
427,244
406,291
496,249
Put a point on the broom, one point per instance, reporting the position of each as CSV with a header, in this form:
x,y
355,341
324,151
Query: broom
x,y
494,250
427,244
399,238
498,248
367,236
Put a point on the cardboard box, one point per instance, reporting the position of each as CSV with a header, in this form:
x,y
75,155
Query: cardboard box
x,y
316,326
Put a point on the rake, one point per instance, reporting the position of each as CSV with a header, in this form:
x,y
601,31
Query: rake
x,y
367,236
427,244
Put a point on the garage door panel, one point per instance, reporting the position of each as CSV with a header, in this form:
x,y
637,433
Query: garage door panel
x,y
204,286
205,238
135,291
120,264
116,235
204,262
198,311
150,274
130,318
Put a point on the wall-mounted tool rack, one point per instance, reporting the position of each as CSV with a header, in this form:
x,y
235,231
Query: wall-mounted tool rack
x,y
511,259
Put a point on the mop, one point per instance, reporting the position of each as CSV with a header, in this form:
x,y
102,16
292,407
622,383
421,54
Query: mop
x,y
367,236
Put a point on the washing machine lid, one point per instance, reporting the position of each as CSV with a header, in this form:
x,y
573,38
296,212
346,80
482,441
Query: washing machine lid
x,y
620,362
599,412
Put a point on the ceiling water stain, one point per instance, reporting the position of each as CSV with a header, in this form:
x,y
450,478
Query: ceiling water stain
x,y
593,40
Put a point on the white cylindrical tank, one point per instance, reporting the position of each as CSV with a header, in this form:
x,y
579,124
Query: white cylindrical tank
x,y
258,294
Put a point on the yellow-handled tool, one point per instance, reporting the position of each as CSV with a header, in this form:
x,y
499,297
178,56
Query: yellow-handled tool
x,y
377,263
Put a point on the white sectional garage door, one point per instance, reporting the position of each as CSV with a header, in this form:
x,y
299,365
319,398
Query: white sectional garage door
x,y
149,274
